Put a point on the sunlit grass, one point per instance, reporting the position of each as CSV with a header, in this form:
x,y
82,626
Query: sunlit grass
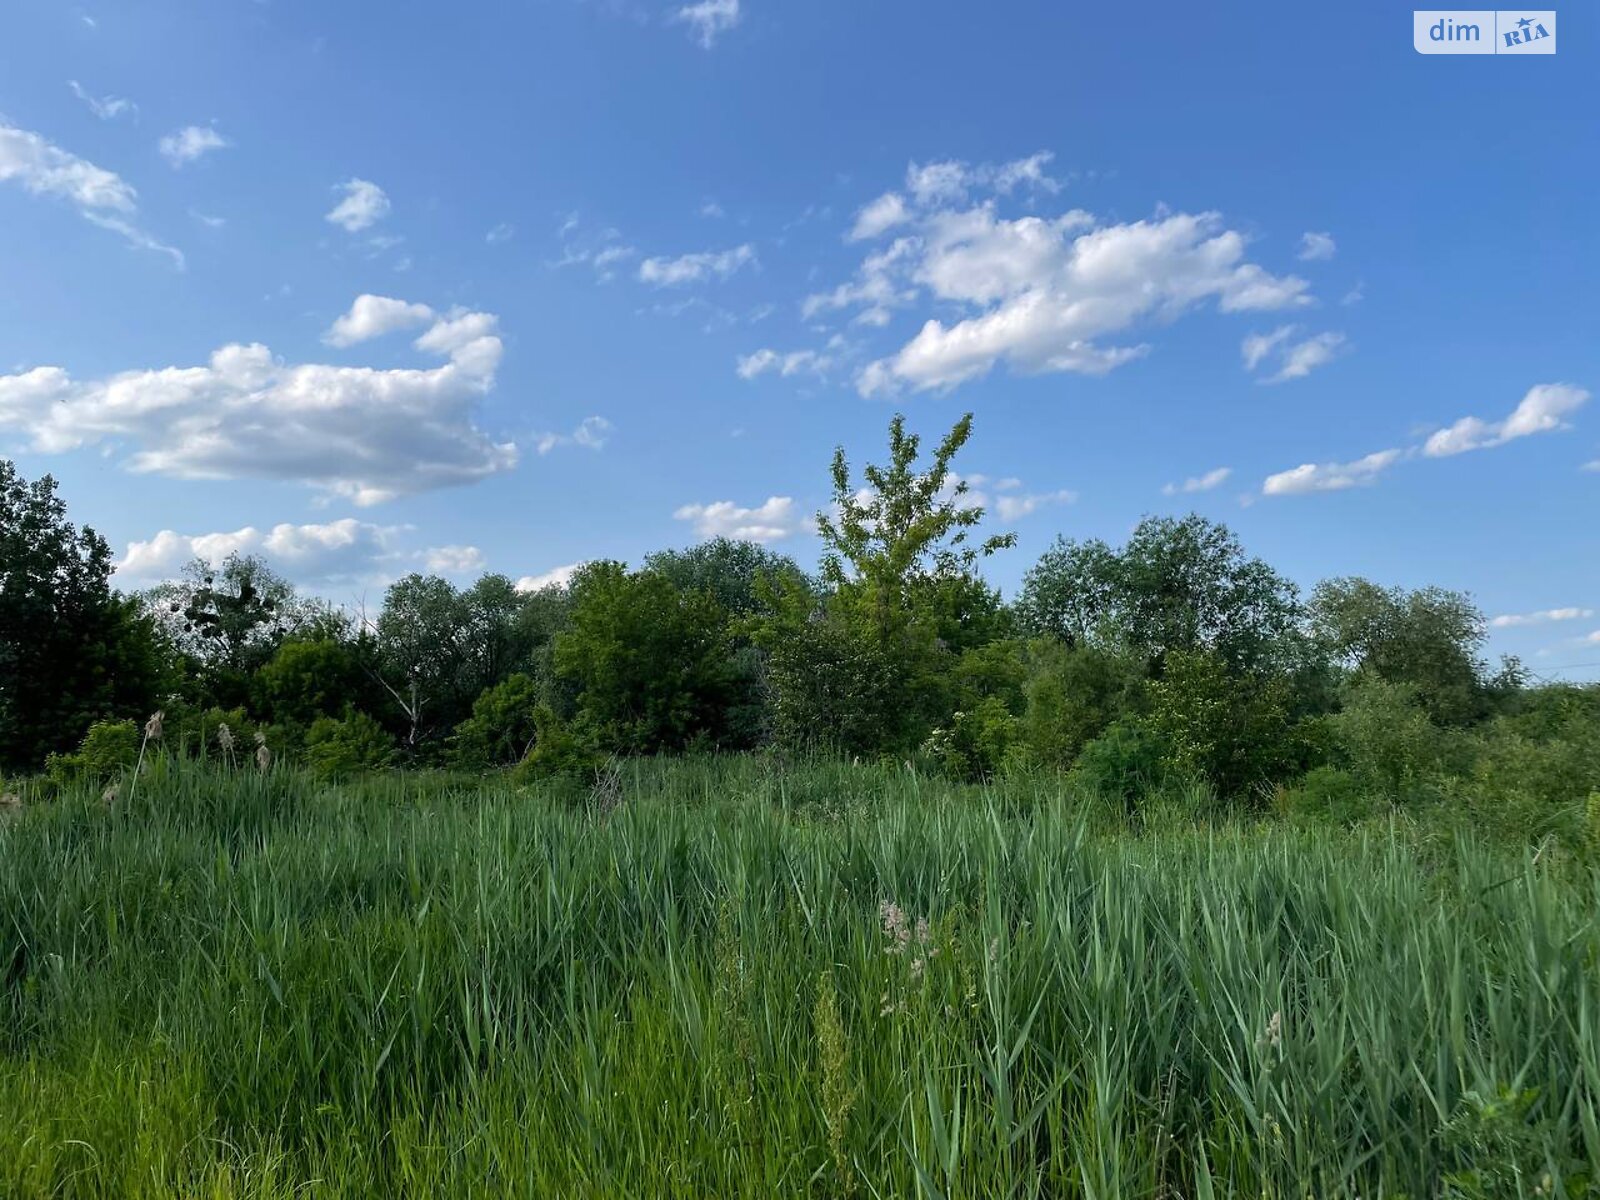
x,y
260,985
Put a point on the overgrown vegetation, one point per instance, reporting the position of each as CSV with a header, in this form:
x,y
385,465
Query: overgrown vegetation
x,y
737,976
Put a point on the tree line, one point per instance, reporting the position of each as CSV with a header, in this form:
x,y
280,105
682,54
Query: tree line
x,y
1173,662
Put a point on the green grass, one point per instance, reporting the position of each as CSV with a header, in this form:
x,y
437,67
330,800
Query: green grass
x,y
267,986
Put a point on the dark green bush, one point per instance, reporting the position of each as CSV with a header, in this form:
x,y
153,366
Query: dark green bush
x,y
337,748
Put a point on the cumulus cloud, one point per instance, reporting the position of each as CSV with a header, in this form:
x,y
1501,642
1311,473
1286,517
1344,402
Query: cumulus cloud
x,y
191,143
709,19
695,268
769,522
591,434
1296,357
1544,617
107,108
373,316
1199,483
364,433
1543,410
1317,247
1331,477
795,362
362,205
101,197
877,218
343,551
1047,292
555,577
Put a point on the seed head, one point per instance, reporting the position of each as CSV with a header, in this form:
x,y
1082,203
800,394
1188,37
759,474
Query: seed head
x,y
152,727
225,738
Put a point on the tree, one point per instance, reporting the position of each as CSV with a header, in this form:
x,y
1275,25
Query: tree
x,y
1176,586
649,661
731,571
1429,639
310,678
503,725
71,651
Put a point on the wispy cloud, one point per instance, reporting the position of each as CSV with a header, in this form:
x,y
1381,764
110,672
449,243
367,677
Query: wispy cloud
x,y
696,268
362,205
1544,617
190,144
107,108
1544,409
1199,483
1317,247
710,19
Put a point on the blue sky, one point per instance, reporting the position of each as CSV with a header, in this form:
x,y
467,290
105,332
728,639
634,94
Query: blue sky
x,y
633,269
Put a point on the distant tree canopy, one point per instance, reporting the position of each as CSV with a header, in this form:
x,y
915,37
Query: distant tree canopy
x,y
1175,663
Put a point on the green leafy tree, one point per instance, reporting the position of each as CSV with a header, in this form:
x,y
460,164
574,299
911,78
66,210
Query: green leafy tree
x,y
1231,728
649,662
71,651
1430,639
310,678
1177,585
731,571
337,748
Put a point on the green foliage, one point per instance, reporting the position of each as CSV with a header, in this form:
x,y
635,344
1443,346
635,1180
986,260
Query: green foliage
x,y
833,686
1429,640
730,571
502,728
1177,586
340,747
109,750
71,652
1384,738
310,678
1125,763
1073,694
978,742
1225,726
1331,794
649,662
561,749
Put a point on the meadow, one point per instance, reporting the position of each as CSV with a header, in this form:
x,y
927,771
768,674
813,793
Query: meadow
x,y
747,976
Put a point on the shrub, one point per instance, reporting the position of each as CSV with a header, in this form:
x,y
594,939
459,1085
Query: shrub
x,y
977,742
1331,794
107,750
337,748
1384,738
501,730
1125,762
560,749
1227,726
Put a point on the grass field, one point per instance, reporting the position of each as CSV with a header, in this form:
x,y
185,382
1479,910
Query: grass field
x,y
732,979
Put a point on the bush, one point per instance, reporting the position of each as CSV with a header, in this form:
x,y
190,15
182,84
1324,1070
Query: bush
x,y
501,730
977,742
1125,762
338,748
1330,794
1229,727
109,749
559,749
1385,739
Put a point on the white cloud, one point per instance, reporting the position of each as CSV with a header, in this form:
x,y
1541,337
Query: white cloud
x,y
769,522
1256,346
1545,617
1331,477
502,232
695,268
107,108
710,19
341,550
454,560
793,363
1049,291
712,211
1014,508
555,577
876,287
191,143
1199,483
950,181
363,205
1317,247
364,433
101,197
1296,359
591,434
373,316
883,214
1591,466
1543,410
1593,639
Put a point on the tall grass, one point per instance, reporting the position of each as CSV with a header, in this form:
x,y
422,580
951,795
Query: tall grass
x,y
751,981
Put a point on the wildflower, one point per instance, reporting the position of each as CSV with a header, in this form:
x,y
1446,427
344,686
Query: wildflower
x,y
896,926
